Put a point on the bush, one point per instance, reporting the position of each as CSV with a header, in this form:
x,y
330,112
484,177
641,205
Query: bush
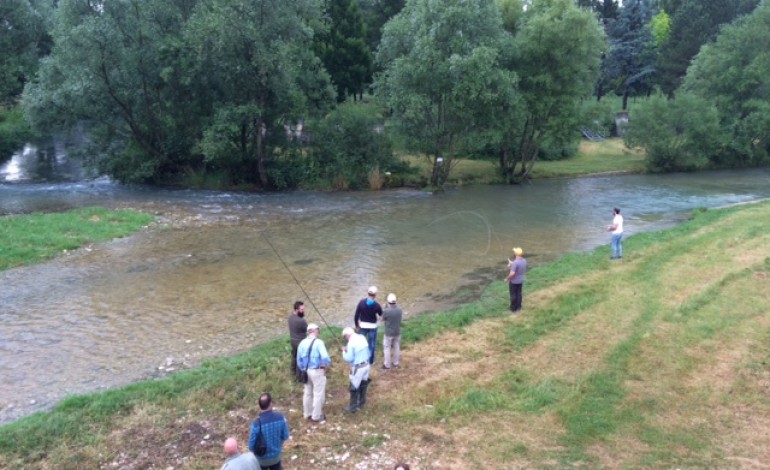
x,y
678,134
351,146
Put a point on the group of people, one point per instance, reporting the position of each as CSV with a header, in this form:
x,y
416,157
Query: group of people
x,y
311,360
518,266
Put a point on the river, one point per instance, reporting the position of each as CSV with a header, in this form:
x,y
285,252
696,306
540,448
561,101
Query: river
x,y
205,282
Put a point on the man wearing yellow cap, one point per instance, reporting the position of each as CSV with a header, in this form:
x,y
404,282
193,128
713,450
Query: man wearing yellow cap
x,y
515,278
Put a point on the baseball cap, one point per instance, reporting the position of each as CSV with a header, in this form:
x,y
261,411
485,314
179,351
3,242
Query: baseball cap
x,y
391,298
347,331
518,251
373,290
312,327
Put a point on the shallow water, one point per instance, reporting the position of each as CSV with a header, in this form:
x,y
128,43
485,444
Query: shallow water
x,y
206,282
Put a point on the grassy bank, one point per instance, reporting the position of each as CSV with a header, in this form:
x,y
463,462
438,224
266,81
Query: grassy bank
x,y
656,361
608,156
31,238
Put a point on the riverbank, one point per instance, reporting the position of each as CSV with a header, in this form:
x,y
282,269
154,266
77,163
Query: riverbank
x,y
33,238
609,156
655,361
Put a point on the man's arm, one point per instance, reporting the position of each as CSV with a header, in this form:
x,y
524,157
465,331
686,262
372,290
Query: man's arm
x,y
253,435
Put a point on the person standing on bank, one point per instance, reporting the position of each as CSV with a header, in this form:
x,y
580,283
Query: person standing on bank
x,y
515,278
391,317
273,426
616,227
313,357
365,319
297,332
356,353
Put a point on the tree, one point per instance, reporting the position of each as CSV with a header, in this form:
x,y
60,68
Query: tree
x,y
556,55
693,23
629,65
254,55
22,38
116,66
376,13
351,149
732,73
442,77
342,48
677,134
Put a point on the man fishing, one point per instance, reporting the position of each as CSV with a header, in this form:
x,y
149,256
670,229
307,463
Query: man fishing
x,y
367,313
356,353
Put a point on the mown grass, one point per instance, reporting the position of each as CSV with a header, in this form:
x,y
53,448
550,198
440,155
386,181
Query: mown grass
x,y
31,238
608,156
658,361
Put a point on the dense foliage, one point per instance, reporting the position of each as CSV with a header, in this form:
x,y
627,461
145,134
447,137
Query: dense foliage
x,y
217,91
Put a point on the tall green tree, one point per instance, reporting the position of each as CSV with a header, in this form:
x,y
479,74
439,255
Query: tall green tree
x,y
628,67
376,13
556,55
255,56
732,73
693,23
342,47
23,40
442,77
114,65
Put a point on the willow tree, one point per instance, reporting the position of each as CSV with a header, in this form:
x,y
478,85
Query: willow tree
x,y
255,55
442,77
555,52
117,66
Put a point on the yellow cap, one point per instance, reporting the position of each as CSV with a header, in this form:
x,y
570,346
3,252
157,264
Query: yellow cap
x,y
518,251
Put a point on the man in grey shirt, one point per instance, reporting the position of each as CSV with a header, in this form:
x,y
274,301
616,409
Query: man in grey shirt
x,y
297,332
391,317
236,460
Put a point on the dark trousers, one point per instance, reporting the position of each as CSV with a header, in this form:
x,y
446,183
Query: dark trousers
x,y
294,348
515,291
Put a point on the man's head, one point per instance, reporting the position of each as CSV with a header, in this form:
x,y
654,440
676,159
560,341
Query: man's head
x,y
392,299
518,251
616,211
347,332
313,329
372,291
299,308
231,446
265,402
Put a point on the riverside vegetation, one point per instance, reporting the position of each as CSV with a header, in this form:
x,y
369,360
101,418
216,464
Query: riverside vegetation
x,y
656,361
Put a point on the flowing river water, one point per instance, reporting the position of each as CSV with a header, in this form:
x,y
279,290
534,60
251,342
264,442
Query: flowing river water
x,y
205,282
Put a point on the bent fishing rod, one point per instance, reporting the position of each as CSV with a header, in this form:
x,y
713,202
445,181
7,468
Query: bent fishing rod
x,y
299,284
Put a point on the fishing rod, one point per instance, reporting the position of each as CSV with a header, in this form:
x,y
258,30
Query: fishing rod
x,y
300,286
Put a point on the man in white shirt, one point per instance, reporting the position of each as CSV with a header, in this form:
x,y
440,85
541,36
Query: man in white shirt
x,y
617,234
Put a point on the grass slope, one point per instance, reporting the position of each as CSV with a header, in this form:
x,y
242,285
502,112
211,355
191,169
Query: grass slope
x,y
656,361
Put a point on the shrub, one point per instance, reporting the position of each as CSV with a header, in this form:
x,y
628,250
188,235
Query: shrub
x,y
678,134
350,145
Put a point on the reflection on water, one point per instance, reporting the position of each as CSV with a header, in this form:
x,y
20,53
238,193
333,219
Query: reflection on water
x,y
207,282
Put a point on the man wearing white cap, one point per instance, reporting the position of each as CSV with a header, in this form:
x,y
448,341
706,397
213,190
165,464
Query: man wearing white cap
x,y
313,357
365,319
356,353
391,317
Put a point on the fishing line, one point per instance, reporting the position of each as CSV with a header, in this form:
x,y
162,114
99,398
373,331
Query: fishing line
x,y
300,285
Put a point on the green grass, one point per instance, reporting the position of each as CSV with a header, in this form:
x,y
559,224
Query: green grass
x,y
621,348
27,239
608,156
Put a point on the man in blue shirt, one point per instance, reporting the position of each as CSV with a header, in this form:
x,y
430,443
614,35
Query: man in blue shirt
x,y
273,426
313,357
356,353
